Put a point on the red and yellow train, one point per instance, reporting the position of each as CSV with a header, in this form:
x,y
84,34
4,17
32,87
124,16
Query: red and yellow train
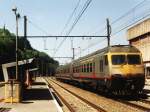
x,y
114,68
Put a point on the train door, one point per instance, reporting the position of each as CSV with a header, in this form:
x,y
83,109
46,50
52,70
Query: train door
x,y
101,66
96,66
106,65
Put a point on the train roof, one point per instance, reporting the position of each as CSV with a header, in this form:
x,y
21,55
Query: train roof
x,y
111,49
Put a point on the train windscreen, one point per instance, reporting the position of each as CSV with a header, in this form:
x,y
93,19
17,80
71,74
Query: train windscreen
x,y
133,59
118,59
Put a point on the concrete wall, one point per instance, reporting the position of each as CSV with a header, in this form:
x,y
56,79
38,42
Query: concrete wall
x,y
143,44
138,30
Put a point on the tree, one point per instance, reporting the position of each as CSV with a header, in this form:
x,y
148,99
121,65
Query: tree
x,y
25,51
47,64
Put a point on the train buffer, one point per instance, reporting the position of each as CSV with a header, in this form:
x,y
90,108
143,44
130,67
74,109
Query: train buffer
x,y
37,98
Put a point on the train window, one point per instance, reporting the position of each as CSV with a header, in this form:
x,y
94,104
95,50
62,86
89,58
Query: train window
x,y
118,59
84,67
106,60
91,67
101,65
133,59
88,67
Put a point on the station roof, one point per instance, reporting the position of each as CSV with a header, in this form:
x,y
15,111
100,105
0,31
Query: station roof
x,y
12,64
22,62
139,29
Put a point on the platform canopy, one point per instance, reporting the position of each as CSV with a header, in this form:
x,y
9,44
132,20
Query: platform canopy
x,y
13,64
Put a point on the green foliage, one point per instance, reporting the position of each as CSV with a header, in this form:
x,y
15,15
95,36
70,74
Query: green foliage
x,y
47,64
7,46
25,51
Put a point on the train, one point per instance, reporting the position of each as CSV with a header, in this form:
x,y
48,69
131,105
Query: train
x,y
117,69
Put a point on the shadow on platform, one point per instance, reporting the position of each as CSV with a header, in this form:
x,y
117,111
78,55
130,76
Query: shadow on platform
x,y
37,93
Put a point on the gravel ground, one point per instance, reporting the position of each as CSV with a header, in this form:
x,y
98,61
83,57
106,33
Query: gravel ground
x,y
106,103
141,103
77,104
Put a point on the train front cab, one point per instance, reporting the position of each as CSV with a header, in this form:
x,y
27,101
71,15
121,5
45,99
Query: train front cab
x,y
126,72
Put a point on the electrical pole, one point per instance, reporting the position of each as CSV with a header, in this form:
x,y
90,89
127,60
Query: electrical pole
x,y
108,32
25,28
17,17
25,37
73,56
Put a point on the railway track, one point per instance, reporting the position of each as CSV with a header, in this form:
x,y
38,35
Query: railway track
x,y
71,106
135,105
140,105
145,101
5,109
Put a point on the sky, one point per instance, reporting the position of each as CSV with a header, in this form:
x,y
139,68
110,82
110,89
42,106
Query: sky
x,y
48,17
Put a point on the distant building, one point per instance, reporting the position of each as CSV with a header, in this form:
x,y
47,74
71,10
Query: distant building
x,y
139,36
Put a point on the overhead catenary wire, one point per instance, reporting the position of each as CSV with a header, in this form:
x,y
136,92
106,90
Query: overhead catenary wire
x,y
68,21
71,16
120,18
87,3
76,21
130,11
37,27
116,21
79,16
127,26
123,16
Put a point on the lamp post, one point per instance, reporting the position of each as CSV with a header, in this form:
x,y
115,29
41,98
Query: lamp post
x,y
17,17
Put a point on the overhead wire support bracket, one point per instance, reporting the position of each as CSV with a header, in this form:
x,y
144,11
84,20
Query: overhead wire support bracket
x,y
74,36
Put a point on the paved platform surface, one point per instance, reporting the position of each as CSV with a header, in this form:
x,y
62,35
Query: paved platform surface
x,y
36,99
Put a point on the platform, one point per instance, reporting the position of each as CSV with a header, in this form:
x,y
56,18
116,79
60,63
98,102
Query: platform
x,y
36,99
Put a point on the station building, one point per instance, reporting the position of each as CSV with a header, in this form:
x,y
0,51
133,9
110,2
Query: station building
x,y
139,36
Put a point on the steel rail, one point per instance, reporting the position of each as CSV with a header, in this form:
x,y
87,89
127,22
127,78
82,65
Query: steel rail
x,y
134,105
62,99
99,109
144,101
